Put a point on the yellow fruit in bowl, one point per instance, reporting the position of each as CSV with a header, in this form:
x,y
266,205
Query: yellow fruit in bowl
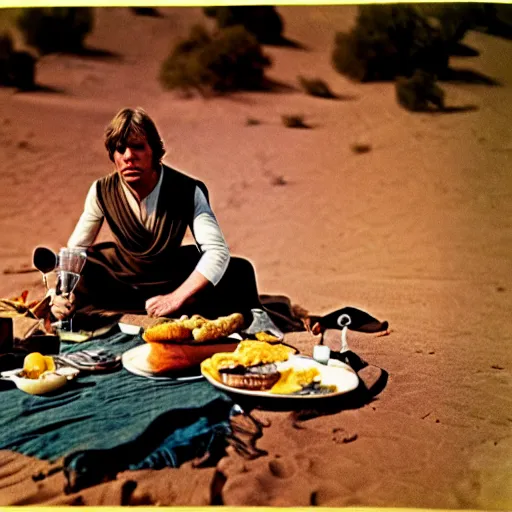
x,y
35,364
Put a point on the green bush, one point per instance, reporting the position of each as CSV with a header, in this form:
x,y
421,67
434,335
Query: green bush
x,y
419,93
54,29
294,121
17,69
389,41
454,19
210,12
360,148
263,21
22,70
251,121
6,50
229,60
145,11
316,87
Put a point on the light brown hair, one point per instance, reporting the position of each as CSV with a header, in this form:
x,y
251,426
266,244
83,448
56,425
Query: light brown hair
x,y
134,122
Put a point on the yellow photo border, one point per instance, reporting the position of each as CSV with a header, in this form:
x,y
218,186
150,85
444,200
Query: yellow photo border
x,y
204,3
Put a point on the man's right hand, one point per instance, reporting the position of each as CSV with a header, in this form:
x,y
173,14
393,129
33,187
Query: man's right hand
x,y
63,307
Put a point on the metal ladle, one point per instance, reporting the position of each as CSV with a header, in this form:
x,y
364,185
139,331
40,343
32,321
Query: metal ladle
x,y
45,260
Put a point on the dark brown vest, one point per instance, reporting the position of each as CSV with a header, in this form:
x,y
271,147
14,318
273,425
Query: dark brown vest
x,y
141,256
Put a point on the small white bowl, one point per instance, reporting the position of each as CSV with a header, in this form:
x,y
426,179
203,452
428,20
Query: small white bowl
x,y
47,383
130,329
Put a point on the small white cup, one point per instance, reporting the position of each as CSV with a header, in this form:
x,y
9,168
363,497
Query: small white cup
x,y
321,353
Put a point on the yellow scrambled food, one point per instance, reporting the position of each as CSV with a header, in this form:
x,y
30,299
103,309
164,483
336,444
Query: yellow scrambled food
x,y
293,380
264,336
247,353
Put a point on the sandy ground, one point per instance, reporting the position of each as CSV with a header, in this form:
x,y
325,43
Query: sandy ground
x,y
417,231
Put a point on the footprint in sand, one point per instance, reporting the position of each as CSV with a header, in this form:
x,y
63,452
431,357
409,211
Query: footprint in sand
x,y
269,481
342,436
283,468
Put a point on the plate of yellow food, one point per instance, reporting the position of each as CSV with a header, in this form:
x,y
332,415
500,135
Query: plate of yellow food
x,y
40,375
257,368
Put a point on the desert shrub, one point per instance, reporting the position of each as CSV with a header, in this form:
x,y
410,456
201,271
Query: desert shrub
x,y
16,68
210,12
360,148
22,70
6,50
278,180
54,29
351,57
501,13
229,60
316,87
6,46
251,121
419,93
294,121
263,21
388,41
145,11
454,19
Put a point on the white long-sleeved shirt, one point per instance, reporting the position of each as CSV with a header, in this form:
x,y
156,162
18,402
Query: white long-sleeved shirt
x,y
207,233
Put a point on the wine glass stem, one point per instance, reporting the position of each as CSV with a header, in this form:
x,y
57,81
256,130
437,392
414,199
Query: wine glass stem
x,y
70,317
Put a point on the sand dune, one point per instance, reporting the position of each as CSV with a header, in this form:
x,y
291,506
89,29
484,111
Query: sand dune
x,y
417,231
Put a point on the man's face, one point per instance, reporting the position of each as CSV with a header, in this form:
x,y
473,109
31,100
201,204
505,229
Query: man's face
x,y
134,161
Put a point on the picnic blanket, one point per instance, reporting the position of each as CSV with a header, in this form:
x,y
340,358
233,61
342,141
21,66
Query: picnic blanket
x,y
140,422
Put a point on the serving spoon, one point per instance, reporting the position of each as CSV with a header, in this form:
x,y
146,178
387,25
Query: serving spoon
x,y
45,260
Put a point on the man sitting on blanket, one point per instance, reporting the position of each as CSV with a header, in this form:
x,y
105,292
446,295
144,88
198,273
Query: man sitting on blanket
x,y
148,207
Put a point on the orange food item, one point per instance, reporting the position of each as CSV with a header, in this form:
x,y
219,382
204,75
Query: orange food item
x,y
167,357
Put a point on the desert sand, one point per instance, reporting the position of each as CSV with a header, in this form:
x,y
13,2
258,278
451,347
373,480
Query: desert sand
x,y
416,231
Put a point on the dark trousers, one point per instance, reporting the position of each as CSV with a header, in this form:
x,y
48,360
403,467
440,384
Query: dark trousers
x,y
236,292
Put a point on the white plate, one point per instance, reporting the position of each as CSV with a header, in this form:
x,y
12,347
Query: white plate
x,y
343,377
135,361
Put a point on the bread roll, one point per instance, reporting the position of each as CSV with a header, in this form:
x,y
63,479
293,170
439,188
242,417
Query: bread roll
x,y
219,328
167,331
